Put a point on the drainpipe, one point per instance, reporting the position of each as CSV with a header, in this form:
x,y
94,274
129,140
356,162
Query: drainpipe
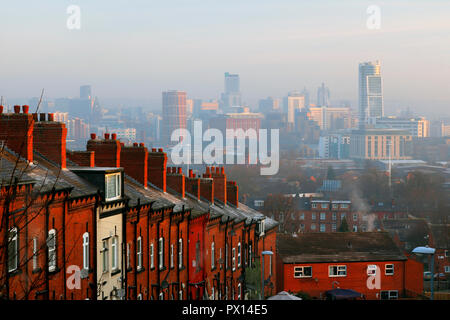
x,y
94,247
64,243
148,248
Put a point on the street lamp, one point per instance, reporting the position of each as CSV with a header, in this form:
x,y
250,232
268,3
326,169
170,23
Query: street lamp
x,y
269,253
431,251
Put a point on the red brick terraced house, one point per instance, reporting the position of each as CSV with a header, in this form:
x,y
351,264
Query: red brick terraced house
x,y
114,222
315,263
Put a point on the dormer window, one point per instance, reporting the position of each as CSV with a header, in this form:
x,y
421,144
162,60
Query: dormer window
x,y
113,186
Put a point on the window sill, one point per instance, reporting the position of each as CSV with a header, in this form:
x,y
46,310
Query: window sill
x,y
14,272
37,270
139,270
181,268
54,271
115,271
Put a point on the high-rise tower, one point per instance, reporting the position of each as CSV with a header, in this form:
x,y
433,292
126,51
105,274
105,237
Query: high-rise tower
x,y
370,92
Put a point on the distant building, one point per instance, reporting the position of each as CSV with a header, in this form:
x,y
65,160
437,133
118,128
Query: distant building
x,y
232,95
331,118
334,146
370,92
268,105
173,114
418,127
380,144
294,102
86,92
323,96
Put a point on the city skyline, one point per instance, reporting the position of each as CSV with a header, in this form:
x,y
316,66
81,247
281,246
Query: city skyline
x,y
136,56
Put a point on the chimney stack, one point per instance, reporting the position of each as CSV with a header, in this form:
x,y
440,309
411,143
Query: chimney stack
x,y
233,193
50,139
134,160
193,185
16,130
207,189
107,151
82,158
176,180
220,184
157,168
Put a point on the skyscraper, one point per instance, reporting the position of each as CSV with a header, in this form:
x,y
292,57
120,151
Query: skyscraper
x,y
370,92
173,113
85,92
323,96
232,95
295,101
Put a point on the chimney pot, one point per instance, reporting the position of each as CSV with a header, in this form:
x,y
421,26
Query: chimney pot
x,y
160,150
16,109
217,170
141,144
153,149
114,136
35,116
93,136
135,144
190,173
25,108
51,117
1,109
222,170
41,116
180,170
106,136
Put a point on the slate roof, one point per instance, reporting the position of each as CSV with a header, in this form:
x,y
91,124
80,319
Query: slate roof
x,y
337,247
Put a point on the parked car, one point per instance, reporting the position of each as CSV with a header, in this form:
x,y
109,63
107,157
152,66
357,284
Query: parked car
x,y
440,276
427,275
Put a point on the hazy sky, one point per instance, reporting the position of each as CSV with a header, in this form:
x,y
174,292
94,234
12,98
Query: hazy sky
x,y
136,49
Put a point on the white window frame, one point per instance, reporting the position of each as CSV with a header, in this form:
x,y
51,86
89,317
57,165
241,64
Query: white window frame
x,y
322,227
250,255
239,260
13,239
161,252
239,291
390,293
180,253
387,269
171,256
334,216
114,253
339,269
447,269
152,256
355,217
139,253
128,255
300,270
213,255
355,228
323,216
86,250
52,251
313,226
139,297
118,186
233,259
105,257
180,294
313,216
35,253
161,296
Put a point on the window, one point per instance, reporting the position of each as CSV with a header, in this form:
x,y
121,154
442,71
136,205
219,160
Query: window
x,y
314,205
239,291
213,294
105,255
234,259
313,226
355,228
337,271
128,255
35,253
344,206
389,295
313,216
302,216
213,258
161,296
51,244
322,227
139,253
333,216
447,269
335,206
389,269
161,253
152,256
171,256
239,254
86,251
303,272
323,216
333,227
139,297
250,255
114,255
180,295
355,217
13,250
180,253
113,186
324,206
446,253
281,216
